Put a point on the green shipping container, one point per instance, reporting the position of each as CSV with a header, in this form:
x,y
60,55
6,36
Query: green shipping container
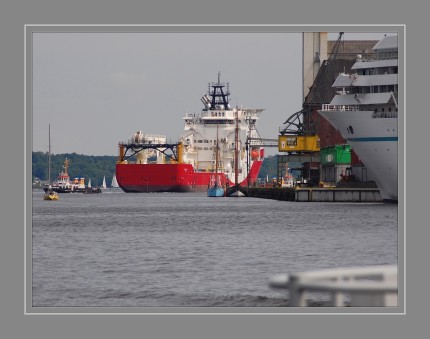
x,y
334,155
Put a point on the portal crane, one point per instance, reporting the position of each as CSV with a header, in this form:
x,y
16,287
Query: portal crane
x,y
299,136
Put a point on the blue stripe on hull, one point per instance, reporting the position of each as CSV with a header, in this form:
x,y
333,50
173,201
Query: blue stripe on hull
x,y
373,139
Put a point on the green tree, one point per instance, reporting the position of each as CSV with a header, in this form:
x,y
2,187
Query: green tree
x,y
80,166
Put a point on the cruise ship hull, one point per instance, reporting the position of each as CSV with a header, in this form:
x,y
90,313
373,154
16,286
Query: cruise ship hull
x,y
172,177
375,142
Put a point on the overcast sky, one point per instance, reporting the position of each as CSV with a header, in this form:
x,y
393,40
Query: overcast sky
x,y
96,89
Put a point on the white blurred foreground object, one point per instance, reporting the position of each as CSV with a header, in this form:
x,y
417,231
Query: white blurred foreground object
x,y
365,286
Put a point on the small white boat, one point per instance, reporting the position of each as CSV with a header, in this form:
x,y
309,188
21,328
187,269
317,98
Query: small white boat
x,y
288,179
104,182
114,182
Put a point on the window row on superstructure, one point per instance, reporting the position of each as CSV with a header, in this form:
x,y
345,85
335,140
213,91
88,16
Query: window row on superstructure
x,y
387,53
205,141
378,71
373,89
219,122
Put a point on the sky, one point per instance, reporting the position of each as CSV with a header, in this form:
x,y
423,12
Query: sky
x,y
96,89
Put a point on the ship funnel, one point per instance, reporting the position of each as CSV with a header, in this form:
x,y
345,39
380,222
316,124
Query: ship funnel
x,y
206,101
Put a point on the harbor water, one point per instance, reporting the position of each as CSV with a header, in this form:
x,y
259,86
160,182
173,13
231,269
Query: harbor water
x,y
186,249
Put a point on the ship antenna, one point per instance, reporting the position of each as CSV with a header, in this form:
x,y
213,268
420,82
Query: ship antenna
x,y
219,77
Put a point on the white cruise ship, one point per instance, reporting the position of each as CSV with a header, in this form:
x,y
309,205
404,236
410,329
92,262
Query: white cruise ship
x,y
365,110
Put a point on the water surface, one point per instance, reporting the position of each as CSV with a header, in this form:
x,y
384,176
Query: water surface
x,y
185,249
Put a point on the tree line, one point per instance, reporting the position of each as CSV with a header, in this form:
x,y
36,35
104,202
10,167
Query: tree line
x,y
96,167
80,166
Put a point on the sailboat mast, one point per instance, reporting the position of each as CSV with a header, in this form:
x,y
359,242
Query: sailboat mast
x,y
236,150
49,154
216,156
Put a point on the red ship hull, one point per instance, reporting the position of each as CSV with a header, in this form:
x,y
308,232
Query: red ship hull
x,y
172,177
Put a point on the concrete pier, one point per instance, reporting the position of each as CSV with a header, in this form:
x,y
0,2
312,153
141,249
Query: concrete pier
x,y
317,194
276,193
338,195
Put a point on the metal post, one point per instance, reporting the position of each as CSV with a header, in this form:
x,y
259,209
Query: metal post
x,y
297,295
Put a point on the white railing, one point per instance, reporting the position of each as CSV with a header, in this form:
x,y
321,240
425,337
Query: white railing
x,y
365,286
148,139
328,107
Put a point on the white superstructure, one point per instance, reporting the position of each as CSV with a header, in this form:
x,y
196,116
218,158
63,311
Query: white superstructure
x,y
218,118
365,111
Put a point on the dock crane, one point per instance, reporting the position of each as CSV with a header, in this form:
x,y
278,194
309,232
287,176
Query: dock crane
x,y
301,123
324,79
299,135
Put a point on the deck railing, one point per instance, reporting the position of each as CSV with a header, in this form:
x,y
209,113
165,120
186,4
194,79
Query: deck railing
x,y
365,286
328,107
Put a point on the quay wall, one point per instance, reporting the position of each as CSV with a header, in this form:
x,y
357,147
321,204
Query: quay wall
x,y
276,193
317,194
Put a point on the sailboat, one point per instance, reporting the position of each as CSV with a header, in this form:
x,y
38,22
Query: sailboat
x,y
235,191
114,182
49,193
104,182
215,188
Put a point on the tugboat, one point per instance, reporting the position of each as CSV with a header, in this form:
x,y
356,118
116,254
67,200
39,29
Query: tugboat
x,y
62,184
